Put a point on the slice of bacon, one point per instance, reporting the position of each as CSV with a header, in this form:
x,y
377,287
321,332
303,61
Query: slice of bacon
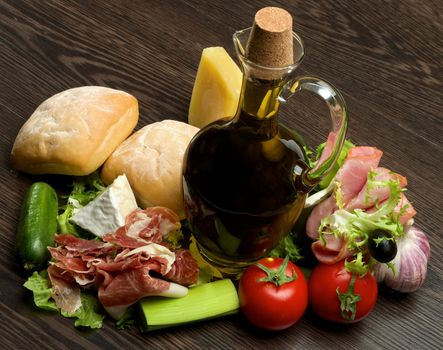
x,y
404,209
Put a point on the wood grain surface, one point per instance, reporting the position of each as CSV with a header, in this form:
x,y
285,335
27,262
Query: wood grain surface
x,y
385,56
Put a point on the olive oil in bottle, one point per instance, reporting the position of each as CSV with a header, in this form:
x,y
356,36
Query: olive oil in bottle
x,y
245,180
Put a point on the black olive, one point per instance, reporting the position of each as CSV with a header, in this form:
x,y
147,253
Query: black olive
x,y
381,246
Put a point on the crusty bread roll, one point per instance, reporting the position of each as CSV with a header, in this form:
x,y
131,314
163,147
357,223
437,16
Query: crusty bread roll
x,y
75,131
152,160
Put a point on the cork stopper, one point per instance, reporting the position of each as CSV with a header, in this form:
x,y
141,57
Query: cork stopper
x,y
270,41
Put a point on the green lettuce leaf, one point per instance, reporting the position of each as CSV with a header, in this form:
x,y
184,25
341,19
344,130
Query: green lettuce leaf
x,y
127,321
287,247
175,239
88,314
356,225
84,190
40,286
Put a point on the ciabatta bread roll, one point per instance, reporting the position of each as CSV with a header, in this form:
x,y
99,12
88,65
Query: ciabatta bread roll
x,y
75,131
152,160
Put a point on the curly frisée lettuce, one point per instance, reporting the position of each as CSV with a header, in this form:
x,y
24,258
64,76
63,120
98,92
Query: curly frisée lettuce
x,y
356,225
86,315
287,247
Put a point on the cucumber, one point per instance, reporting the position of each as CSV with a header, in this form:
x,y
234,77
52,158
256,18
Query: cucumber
x,y
37,226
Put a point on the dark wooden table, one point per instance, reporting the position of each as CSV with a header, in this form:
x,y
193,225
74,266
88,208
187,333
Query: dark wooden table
x,y
386,58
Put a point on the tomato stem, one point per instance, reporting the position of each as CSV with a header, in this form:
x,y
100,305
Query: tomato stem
x,y
349,300
278,275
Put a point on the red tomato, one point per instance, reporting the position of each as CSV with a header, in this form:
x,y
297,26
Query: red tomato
x,y
268,305
324,283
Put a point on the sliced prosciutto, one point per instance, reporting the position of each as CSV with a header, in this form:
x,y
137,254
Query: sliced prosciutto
x,y
362,185
64,292
352,177
323,209
367,198
129,286
151,225
184,270
353,174
132,263
334,250
327,151
404,209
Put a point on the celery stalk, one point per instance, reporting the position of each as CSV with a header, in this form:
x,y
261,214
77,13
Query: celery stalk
x,y
202,302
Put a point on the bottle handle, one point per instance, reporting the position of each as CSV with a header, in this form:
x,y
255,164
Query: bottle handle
x,y
339,117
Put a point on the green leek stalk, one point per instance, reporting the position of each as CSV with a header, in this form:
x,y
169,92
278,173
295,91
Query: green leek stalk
x,y
202,302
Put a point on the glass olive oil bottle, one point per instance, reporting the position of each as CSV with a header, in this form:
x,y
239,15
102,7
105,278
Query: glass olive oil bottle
x,y
245,180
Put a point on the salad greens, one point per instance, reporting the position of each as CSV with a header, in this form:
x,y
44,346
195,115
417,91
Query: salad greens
x,y
87,315
287,247
90,313
292,245
355,225
84,190
40,286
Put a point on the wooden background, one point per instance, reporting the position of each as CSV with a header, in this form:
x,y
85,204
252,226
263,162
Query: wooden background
x,y
386,58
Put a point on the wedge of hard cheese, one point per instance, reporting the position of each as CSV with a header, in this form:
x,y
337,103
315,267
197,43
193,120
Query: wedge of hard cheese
x,y
216,89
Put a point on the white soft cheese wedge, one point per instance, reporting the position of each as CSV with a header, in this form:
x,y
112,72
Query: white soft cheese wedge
x,y
108,211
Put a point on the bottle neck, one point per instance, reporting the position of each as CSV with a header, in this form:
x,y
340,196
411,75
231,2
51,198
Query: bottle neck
x,y
259,104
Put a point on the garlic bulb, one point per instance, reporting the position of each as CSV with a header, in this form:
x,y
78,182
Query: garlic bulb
x,y
410,263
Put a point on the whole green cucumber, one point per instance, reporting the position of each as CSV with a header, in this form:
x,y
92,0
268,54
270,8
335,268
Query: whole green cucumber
x,y
37,226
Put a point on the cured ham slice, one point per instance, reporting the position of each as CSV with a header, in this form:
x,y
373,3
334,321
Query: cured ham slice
x,y
184,270
334,250
141,227
132,263
353,174
327,151
352,177
129,286
404,208
356,193
323,209
377,194
64,292
81,245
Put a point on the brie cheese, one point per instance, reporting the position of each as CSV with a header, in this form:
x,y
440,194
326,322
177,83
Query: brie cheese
x,y
107,212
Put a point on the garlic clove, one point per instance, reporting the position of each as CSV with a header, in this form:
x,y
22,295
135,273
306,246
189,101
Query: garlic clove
x,y
410,264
